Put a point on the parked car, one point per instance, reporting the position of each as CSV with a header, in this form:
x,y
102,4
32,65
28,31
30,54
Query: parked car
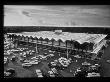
x,y
34,62
26,64
80,74
53,63
51,74
13,58
77,56
50,55
39,73
54,70
35,57
93,74
50,65
5,60
65,62
45,54
9,72
79,70
51,51
108,61
26,61
42,57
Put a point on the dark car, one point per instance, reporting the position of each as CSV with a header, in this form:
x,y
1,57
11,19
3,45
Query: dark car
x,y
50,65
13,58
59,67
45,54
81,74
6,60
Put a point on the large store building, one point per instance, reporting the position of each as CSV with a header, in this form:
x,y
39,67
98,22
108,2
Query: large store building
x,y
63,41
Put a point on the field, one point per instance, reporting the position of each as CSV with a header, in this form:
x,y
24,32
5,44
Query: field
x,y
15,29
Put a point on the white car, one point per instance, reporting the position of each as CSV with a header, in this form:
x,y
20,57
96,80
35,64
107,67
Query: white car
x,y
34,62
51,55
7,73
53,63
86,63
26,64
64,62
35,57
20,50
39,73
52,51
14,50
5,60
54,70
42,57
93,74
51,73
8,52
108,61
26,61
77,56
78,70
33,51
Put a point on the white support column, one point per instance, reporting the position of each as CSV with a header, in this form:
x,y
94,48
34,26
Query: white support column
x,y
67,49
67,53
36,46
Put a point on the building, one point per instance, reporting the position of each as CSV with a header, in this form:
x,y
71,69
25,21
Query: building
x,y
62,41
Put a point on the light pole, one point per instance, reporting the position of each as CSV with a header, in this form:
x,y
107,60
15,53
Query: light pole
x,y
36,45
52,42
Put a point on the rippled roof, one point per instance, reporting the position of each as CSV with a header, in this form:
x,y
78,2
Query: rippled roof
x,y
64,36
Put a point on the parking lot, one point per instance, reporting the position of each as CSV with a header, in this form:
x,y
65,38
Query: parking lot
x,y
43,65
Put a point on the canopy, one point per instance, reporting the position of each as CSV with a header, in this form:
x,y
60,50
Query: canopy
x,y
96,50
64,36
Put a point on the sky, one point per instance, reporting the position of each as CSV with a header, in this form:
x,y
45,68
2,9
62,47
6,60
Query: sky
x,y
57,15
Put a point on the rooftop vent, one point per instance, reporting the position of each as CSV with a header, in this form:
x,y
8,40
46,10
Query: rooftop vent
x,y
58,32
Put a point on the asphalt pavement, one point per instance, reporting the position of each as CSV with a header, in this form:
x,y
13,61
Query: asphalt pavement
x,y
105,71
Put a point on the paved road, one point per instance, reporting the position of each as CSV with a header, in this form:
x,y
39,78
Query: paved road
x,y
105,71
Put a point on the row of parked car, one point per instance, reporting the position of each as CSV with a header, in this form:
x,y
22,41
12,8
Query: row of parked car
x,y
88,71
60,64
35,60
51,73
